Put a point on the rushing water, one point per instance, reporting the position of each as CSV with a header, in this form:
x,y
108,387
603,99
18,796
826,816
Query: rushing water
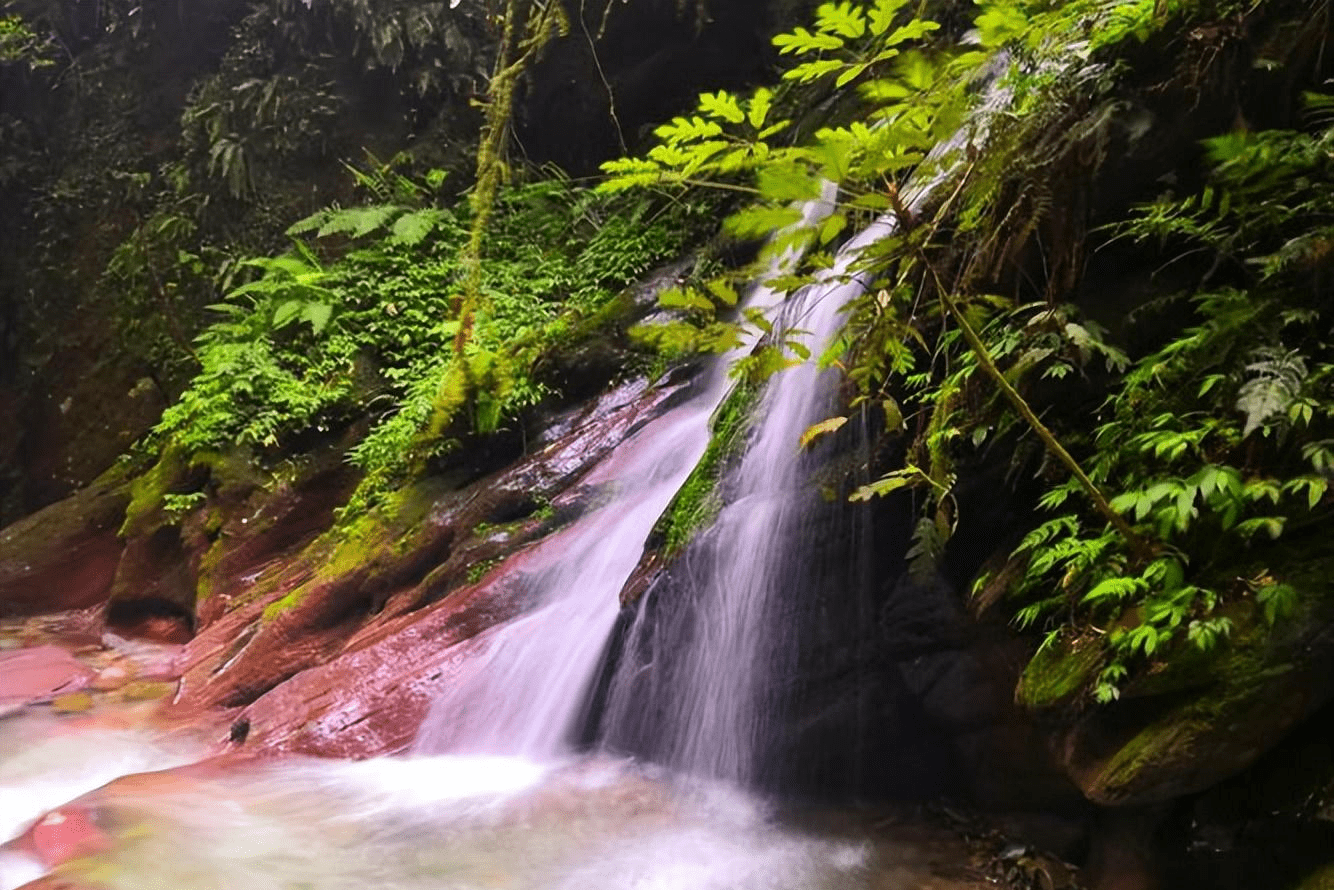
x,y
450,822
710,705
523,692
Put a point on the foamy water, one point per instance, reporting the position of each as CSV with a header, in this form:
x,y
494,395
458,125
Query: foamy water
x,y
444,823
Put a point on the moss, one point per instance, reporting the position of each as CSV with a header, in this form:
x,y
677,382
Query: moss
x,y
698,502
1212,715
148,493
1233,718
477,571
1058,674
361,544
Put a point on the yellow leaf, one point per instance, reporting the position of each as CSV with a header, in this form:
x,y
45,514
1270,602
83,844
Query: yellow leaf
x,y
824,427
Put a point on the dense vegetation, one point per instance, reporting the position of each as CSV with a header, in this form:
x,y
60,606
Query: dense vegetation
x,y
1181,438
1178,497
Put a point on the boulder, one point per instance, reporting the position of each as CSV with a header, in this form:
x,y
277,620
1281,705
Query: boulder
x,y
65,555
1190,719
41,673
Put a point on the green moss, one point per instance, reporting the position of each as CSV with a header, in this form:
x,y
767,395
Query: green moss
x,y
477,571
1238,713
361,544
148,493
1058,674
698,501
1213,716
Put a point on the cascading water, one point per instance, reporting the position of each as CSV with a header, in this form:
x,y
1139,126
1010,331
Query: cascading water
x,y
709,707
469,821
524,691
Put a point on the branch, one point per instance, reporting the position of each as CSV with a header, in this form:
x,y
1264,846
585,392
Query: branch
x,y
1137,544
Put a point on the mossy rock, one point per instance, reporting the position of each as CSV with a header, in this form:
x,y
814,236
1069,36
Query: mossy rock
x,y
698,502
1199,720
1059,674
64,556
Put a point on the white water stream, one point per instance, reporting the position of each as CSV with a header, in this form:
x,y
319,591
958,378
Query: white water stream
x,y
523,692
717,711
461,823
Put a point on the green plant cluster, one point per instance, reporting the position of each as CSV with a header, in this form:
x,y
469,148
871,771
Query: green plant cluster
x,y
1220,441
697,504
360,315
20,45
1212,442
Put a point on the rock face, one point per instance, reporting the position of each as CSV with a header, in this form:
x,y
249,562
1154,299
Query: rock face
x,y
890,687
338,648
40,673
1192,722
64,556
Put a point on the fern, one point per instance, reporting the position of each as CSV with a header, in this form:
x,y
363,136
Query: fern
x,y
1276,385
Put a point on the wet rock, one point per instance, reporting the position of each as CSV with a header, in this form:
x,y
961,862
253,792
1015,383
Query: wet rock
x,y
65,834
114,676
40,674
407,571
64,556
1193,719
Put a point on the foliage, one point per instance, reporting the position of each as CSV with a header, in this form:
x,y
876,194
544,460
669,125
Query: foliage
x,y
1218,439
305,344
1210,445
20,45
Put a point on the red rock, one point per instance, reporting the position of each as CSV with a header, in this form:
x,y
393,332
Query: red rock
x,y
65,555
157,629
40,673
67,833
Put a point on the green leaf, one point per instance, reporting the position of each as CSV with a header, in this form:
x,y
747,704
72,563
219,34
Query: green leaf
x,y
286,312
999,23
723,106
832,227
683,129
914,30
1114,590
891,482
842,19
1270,525
809,71
759,222
1278,601
782,182
757,110
881,15
851,73
893,415
800,42
685,298
318,315
413,227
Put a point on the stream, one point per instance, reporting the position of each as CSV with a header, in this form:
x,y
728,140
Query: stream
x,y
446,822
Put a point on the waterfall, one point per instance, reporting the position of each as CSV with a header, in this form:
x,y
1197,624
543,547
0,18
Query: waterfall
x,y
523,692
709,707
706,707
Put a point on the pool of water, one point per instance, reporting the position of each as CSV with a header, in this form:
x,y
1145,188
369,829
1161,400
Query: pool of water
x,y
146,821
